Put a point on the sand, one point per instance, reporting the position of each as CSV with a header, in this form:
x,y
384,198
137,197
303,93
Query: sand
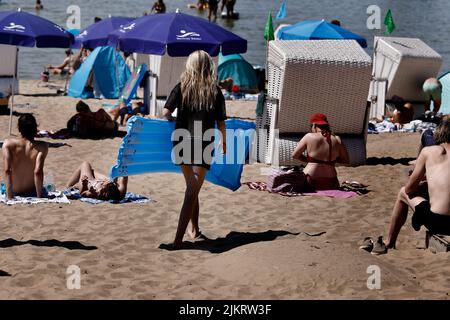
x,y
254,252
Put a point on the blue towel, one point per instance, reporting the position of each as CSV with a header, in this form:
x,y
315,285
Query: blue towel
x,y
74,194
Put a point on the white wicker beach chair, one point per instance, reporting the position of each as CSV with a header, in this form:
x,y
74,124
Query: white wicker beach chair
x,y
305,77
400,67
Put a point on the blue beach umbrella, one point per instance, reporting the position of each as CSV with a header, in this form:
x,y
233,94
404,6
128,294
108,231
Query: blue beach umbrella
x,y
18,28
177,34
96,35
318,30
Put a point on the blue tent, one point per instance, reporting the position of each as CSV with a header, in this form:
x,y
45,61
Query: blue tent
x,y
102,62
445,106
234,66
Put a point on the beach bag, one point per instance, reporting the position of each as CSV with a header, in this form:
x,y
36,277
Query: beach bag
x,y
290,179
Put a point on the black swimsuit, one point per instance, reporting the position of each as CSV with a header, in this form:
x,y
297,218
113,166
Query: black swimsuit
x,y
186,119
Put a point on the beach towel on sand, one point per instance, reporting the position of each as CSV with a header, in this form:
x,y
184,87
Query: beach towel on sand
x,y
74,194
53,197
339,194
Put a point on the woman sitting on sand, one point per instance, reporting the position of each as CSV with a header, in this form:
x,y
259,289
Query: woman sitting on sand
x,y
97,186
200,103
324,150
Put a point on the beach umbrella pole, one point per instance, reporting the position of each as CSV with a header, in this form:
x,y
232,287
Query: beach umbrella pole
x,y
68,73
116,65
13,89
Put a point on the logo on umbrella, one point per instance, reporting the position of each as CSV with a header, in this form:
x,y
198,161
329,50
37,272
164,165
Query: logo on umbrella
x,y
128,28
60,28
14,27
82,35
184,35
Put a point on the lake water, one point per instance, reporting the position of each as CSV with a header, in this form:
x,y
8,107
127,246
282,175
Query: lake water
x,y
424,19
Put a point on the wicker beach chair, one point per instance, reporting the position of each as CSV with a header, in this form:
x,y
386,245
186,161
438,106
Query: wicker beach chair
x,y
400,67
305,77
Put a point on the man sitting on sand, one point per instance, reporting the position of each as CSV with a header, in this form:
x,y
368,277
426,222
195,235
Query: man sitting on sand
x,y
96,185
24,161
431,210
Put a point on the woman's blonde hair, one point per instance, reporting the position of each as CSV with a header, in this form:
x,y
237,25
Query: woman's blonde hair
x,y
199,81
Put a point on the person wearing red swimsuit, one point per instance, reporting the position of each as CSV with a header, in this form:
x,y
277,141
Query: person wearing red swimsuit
x,y
323,151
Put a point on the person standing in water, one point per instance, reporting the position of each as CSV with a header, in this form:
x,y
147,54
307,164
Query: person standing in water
x,y
159,7
39,6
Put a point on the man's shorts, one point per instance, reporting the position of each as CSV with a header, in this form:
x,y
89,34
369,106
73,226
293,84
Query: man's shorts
x,y
436,223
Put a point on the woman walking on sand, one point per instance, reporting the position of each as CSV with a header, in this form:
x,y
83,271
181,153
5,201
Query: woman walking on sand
x,y
200,104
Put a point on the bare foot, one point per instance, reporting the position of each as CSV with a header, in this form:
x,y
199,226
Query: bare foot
x,y
195,235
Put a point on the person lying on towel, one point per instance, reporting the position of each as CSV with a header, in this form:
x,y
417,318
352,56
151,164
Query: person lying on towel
x,y
97,186
125,113
323,150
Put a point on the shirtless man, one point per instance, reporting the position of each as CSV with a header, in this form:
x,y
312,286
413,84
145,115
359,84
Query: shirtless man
x,y
434,213
24,161
97,186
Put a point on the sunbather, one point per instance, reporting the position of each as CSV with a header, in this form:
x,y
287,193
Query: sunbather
x,y
432,210
324,150
24,161
87,123
404,111
97,186
65,66
124,113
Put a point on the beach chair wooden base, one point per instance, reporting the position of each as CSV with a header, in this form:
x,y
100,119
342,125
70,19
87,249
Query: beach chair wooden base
x,y
437,243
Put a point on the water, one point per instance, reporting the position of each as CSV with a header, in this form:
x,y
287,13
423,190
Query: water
x,y
424,19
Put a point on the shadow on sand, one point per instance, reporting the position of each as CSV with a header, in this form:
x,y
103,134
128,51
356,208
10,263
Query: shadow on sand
x,y
4,274
70,245
373,161
231,241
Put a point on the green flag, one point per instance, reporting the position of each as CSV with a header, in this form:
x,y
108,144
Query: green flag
x,y
389,22
268,32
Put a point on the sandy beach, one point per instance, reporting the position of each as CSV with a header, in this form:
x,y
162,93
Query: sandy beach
x,y
254,252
